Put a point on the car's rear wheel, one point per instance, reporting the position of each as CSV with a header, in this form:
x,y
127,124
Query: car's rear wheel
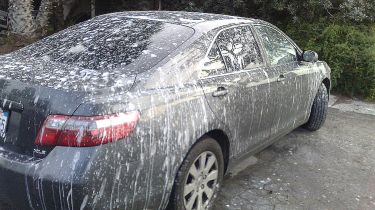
x,y
199,178
319,110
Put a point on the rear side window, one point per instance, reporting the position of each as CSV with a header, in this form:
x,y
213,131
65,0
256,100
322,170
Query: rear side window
x,y
109,42
278,48
214,63
239,48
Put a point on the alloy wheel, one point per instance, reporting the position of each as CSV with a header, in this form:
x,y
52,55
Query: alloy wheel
x,y
201,182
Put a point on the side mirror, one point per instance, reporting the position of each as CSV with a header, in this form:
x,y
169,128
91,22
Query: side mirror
x,y
310,56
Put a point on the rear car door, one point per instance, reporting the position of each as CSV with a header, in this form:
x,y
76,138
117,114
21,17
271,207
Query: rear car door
x,y
237,87
293,98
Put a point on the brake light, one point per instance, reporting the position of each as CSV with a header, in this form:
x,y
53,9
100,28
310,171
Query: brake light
x,y
77,131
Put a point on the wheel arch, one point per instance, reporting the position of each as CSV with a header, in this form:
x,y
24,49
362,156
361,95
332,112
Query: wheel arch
x,y
222,138
217,135
327,83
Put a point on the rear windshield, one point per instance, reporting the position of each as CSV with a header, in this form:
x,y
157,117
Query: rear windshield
x,y
109,42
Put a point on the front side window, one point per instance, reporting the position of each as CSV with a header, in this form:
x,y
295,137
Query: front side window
x,y
278,48
239,48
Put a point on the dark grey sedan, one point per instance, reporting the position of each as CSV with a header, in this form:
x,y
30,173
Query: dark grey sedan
x,y
148,110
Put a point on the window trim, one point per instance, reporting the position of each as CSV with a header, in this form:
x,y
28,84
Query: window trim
x,y
234,72
261,54
299,51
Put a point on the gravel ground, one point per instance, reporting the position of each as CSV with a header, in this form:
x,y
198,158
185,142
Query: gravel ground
x,y
333,168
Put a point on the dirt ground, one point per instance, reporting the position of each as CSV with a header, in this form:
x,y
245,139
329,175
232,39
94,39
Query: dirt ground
x,y
10,44
333,168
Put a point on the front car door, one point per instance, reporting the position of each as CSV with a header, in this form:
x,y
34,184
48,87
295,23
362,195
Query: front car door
x,y
294,98
238,87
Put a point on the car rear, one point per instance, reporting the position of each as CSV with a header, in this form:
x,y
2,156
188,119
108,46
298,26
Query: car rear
x,y
61,134
24,108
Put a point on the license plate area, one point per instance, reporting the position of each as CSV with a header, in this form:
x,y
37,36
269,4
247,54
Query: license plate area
x,y
4,117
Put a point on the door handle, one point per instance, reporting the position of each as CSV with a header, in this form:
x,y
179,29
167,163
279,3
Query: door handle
x,y
221,91
281,78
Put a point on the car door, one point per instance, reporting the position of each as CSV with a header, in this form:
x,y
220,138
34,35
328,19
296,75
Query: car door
x,y
238,88
283,59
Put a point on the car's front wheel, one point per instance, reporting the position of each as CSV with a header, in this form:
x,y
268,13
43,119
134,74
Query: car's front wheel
x,y
319,110
199,178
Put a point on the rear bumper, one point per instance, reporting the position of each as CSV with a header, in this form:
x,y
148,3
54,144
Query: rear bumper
x,y
24,192
71,180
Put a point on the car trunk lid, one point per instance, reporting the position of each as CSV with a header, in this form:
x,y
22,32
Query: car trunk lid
x,y
24,109
30,90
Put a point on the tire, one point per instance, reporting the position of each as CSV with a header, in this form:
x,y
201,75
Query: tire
x,y
211,149
319,110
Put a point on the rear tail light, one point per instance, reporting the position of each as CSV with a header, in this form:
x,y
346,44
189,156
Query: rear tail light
x,y
76,131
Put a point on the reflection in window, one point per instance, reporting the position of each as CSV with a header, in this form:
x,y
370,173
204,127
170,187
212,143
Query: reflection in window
x,y
239,48
278,48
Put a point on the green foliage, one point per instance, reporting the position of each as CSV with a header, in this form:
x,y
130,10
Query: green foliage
x,y
358,10
349,50
371,53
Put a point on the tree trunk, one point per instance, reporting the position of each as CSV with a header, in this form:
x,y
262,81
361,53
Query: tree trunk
x,y
68,6
231,6
56,19
44,13
93,8
157,4
21,20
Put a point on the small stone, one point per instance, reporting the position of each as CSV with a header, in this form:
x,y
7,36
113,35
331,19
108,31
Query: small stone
x,y
282,198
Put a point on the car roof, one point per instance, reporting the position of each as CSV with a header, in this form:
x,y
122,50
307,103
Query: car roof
x,y
200,21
